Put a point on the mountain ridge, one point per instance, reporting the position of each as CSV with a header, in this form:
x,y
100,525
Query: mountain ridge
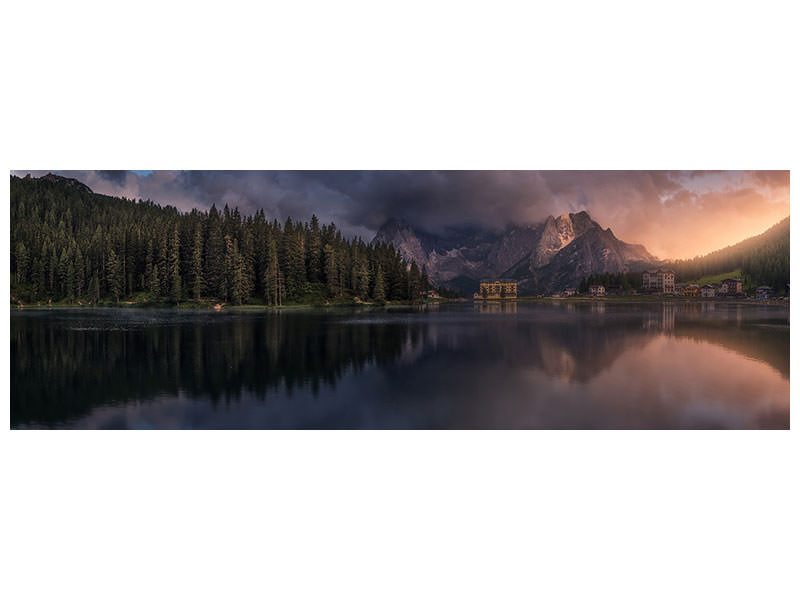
x,y
543,257
763,259
66,181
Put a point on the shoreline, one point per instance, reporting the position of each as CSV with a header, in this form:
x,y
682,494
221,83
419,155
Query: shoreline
x,y
644,300
217,307
222,307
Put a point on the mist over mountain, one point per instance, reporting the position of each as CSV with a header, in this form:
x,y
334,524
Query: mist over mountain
x,y
543,257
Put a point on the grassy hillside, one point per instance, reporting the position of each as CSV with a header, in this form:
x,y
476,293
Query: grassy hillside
x,y
760,260
717,278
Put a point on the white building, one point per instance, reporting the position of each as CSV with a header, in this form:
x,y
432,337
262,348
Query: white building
x,y
659,281
708,291
597,290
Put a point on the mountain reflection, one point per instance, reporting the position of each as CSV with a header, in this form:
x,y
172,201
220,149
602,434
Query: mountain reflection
x,y
482,365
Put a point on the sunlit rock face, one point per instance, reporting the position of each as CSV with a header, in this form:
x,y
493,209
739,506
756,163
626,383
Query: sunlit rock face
x,y
543,257
557,233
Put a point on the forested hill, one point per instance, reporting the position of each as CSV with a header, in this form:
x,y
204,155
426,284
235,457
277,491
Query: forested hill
x,y
70,244
763,259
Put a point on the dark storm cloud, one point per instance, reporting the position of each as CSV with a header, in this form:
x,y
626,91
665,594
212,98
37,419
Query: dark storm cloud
x,y
435,200
674,213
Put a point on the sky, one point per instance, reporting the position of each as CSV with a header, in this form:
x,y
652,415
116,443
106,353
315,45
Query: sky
x,y
675,214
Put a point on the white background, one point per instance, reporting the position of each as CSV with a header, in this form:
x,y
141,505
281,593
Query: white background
x,y
411,514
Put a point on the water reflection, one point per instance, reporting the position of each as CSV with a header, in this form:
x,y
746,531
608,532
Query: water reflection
x,y
483,365
663,319
505,307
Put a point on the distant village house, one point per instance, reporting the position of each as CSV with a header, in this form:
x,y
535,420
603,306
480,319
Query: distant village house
x,y
708,291
691,290
597,290
764,291
730,287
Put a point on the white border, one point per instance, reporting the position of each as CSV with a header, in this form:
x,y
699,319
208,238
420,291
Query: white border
x,y
398,514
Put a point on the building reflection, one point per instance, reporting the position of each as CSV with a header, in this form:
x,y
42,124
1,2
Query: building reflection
x,y
662,318
598,308
506,307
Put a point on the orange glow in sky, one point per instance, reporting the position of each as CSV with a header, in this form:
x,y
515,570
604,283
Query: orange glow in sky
x,y
690,214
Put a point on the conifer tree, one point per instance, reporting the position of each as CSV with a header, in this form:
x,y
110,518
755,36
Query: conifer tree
x,y
331,270
229,262
149,265
379,292
114,275
69,291
51,270
80,281
238,275
197,264
64,285
362,286
96,287
173,266
22,263
155,283
215,256
272,275
314,251
295,270
162,265
414,281
37,278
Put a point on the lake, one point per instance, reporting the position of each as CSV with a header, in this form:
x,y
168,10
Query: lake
x,y
566,365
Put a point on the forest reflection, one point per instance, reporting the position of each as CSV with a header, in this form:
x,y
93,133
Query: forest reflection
x,y
66,363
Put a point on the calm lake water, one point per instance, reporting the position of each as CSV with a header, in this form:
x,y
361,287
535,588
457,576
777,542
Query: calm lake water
x,y
594,365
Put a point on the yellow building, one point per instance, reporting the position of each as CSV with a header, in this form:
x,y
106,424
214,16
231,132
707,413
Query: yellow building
x,y
691,290
497,289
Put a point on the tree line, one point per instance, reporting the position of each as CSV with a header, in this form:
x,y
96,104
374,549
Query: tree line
x,y
625,281
763,259
70,244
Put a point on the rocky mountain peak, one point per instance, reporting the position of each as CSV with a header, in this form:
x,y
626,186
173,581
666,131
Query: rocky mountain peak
x,y
556,252
402,236
394,226
66,181
558,233
582,222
